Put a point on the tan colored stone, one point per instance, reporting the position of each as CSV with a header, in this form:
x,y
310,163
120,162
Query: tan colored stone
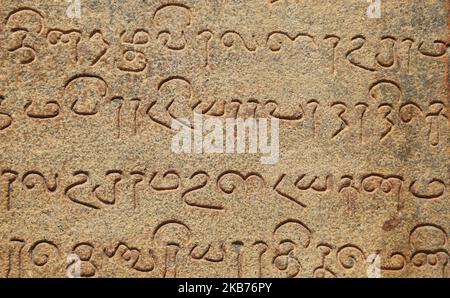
x,y
87,174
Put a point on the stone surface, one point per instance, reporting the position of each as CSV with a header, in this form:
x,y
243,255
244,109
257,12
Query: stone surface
x,y
89,181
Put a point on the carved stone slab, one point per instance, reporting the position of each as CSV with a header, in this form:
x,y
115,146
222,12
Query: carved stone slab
x,y
90,185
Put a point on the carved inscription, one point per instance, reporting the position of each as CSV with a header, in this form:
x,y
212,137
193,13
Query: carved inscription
x,y
89,107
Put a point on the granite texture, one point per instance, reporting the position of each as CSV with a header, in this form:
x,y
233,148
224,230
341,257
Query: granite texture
x,y
90,187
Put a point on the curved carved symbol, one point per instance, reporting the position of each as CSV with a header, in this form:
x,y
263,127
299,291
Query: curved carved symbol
x,y
171,176
84,251
5,118
108,195
250,107
82,188
386,184
40,254
94,49
25,25
387,93
138,177
173,19
31,179
230,38
438,49
350,55
408,111
288,115
386,109
211,252
69,190
142,261
349,192
351,257
290,236
206,35
85,92
175,102
276,39
237,248
139,37
119,102
363,106
66,37
14,267
314,124
437,111
236,108
11,176
174,236
429,242
284,194
37,110
409,42
387,59
434,189
228,181
334,42
323,271
195,201
261,248
133,57
342,109
396,262
313,183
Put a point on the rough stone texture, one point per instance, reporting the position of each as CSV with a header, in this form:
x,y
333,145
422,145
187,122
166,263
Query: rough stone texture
x,y
87,168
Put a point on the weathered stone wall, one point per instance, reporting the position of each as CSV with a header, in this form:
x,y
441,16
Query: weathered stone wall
x,y
90,184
